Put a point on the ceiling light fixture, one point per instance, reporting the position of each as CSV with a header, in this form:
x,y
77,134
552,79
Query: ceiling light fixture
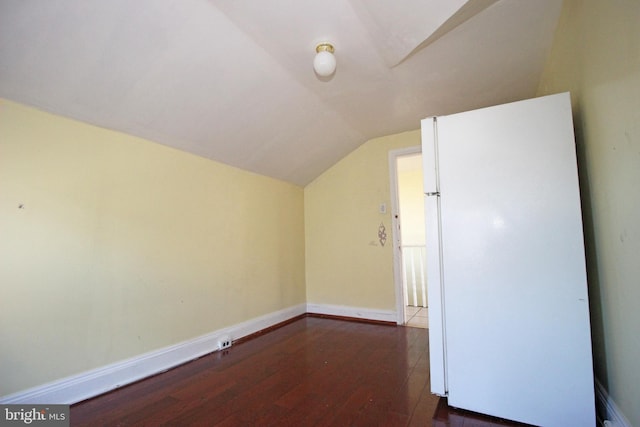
x,y
324,63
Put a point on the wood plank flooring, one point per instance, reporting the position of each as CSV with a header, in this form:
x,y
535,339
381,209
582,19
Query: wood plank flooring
x,y
310,372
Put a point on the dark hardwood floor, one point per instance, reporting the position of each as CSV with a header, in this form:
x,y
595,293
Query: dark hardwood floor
x,y
310,372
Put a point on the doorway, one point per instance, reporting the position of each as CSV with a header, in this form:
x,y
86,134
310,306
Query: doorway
x,y
409,236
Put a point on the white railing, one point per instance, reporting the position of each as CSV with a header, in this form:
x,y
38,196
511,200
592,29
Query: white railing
x,y
413,275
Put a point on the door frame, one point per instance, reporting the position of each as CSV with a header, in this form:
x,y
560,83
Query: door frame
x,y
395,225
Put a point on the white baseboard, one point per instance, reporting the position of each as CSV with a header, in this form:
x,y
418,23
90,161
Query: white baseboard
x,y
607,409
97,381
355,312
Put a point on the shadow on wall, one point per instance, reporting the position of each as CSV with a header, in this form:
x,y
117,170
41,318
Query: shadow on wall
x,y
593,278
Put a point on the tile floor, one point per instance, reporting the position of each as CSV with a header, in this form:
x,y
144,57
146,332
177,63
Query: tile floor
x,y
416,317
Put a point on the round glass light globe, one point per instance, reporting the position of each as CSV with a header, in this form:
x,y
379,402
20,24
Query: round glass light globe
x,y
324,63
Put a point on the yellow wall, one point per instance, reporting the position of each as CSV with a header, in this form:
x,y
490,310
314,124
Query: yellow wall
x,y
345,263
596,56
112,246
411,206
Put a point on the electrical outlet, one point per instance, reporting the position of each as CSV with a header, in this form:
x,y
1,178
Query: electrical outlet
x,y
224,342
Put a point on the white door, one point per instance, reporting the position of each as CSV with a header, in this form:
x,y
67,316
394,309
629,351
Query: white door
x,y
514,294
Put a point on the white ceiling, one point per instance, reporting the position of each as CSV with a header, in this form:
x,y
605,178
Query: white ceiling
x,y
232,80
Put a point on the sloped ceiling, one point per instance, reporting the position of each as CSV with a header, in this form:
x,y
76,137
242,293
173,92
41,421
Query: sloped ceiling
x,y
232,80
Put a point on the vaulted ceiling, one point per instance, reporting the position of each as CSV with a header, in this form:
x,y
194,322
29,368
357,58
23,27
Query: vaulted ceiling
x,y
232,80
